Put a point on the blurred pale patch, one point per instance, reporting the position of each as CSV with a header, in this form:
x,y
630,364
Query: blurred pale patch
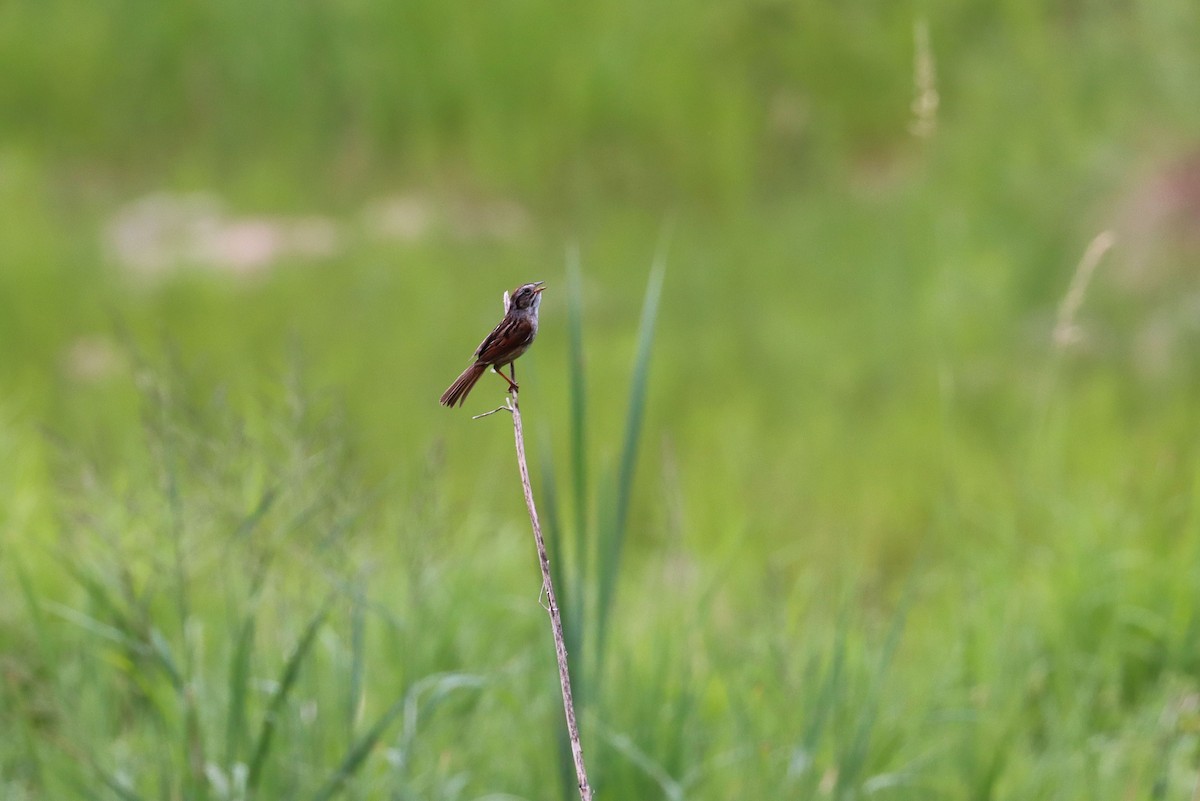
x,y
162,233
90,359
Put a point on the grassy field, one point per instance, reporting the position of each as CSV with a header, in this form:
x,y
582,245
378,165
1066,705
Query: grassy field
x,y
904,520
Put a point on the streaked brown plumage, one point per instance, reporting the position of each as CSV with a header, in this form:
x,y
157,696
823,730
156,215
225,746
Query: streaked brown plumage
x,y
504,345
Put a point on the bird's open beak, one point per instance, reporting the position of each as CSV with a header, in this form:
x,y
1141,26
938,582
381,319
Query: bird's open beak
x,y
539,286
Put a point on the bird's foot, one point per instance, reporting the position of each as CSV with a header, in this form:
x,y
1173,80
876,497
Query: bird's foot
x,y
513,387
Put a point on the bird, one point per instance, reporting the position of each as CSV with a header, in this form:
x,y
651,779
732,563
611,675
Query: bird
x,y
511,338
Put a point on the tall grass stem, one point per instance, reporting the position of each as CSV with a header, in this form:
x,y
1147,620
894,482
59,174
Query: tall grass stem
x,y
560,646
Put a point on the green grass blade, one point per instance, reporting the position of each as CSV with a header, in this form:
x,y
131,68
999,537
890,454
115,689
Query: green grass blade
x,y
32,602
434,688
103,597
854,759
97,628
548,508
577,373
250,522
162,653
828,694
409,706
552,529
828,683
237,729
612,539
358,752
38,619
358,656
287,681
624,745
121,791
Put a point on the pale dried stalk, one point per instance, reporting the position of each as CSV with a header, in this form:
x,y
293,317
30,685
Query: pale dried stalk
x,y
1066,332
925,96
560,647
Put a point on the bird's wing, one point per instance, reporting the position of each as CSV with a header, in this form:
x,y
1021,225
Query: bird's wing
x,y
512,334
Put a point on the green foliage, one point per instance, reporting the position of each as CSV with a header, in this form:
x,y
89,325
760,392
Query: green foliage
x,y
590,573
885,537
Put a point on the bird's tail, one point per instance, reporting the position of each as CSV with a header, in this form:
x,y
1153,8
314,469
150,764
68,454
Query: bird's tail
x,y
457,393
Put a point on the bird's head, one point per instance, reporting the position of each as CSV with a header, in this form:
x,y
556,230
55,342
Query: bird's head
x,y
528,296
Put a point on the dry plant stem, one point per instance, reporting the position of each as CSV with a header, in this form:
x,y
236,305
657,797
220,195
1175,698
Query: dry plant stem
x,y
560,648
1066,332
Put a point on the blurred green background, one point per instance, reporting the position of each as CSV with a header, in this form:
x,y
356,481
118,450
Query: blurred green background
x,y
908,519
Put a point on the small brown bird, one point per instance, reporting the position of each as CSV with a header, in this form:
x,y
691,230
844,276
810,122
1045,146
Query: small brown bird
x,y
504,345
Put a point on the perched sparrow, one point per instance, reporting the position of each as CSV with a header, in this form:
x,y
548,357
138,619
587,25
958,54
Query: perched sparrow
x,y
504,345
